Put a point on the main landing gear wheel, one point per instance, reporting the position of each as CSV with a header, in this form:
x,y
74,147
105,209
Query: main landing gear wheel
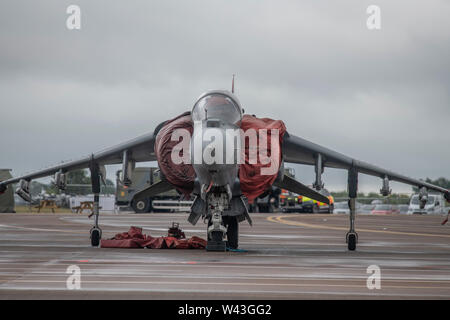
x,y
232,232
352,240
96,235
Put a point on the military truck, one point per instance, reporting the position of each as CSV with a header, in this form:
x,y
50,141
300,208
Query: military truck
x,y
141,178
7,198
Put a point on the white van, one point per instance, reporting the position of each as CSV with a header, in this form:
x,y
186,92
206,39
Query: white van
x,y
435,205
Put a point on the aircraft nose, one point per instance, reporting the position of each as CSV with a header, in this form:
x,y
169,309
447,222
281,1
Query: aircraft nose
x,y
211,154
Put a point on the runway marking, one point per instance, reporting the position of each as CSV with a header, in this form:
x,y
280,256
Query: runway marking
x,y
43,274
39,229
226,291
247,284
281,219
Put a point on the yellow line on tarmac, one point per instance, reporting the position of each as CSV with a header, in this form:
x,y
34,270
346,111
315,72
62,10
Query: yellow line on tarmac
x,y
40,229
282,220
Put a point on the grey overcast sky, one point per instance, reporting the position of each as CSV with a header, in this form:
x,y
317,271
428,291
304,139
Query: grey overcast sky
x,y
382,96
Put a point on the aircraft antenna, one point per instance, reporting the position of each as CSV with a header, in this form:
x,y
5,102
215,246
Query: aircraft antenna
x,y
232,85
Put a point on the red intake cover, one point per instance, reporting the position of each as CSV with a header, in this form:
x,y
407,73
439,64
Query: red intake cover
x,y
252,182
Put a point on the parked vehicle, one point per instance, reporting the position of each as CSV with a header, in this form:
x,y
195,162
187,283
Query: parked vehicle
x,y
434,205
142,178
7,198
342,207
403,208
314,206
366,208
289,201
275,199
384,209
268,201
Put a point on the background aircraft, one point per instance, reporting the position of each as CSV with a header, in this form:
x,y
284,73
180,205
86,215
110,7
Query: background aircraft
x,y
221,191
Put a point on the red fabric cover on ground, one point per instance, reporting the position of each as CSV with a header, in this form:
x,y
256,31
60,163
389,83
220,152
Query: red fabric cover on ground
x,y
182,175
134,238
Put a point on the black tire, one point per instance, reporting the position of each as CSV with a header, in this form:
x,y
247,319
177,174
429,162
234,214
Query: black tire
x,y
216,236
351,242
232,232
141,206
95,237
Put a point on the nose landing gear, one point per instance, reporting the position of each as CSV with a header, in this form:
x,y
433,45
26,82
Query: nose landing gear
x,y
230,228
216,232
220,226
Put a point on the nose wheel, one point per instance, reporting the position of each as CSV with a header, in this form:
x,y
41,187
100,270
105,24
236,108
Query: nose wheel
x,y
216,232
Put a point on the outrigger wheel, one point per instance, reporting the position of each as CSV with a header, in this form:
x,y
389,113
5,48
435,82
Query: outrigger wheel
x,y
352,240
96,235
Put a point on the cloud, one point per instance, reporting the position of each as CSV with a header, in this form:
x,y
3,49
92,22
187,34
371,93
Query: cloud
x,y
379,96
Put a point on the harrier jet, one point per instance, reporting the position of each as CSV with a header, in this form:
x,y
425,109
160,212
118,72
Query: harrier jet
x,y
222,159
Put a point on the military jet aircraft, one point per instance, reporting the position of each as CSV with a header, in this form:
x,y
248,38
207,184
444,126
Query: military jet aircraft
x,y
217,188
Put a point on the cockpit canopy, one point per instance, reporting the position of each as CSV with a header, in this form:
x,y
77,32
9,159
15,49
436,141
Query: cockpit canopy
x,y
217,105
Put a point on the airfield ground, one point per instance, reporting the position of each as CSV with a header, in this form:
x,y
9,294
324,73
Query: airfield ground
x,y
291,256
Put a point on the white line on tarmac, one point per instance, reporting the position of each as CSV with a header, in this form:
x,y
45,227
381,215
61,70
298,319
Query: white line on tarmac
x,y
357,278
246,292
216,284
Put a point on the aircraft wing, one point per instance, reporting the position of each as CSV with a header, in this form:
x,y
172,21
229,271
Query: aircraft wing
x,y
139,149
299,188
298,150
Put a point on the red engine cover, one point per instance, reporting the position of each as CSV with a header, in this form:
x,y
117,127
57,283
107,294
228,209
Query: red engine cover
x,y
253,183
